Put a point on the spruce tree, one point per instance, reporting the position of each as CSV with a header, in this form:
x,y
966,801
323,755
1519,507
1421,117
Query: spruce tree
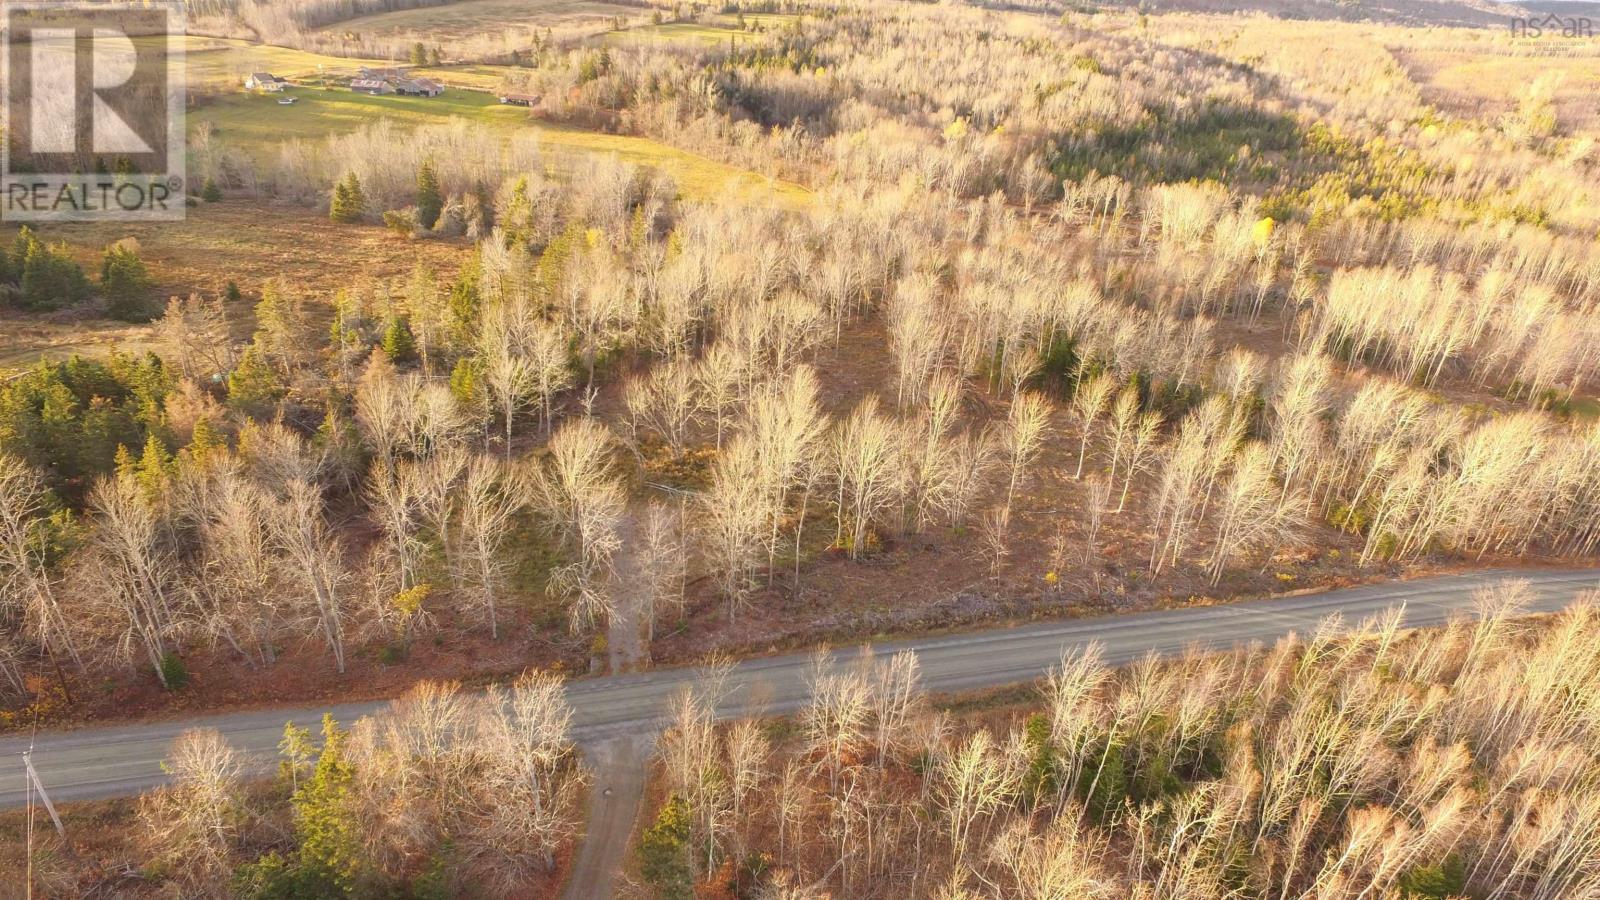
x,y
466,384
205,441
462,305
397,340
330,848
211,193
253,386
48,277
126,284
429,200
349,203
153,468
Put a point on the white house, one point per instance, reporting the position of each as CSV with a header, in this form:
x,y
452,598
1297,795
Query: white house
x,y
263,81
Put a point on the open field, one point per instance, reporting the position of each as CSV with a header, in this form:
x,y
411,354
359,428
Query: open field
x,y
1484,83
456,21
720,31
221,64
258,123
478,76
217,243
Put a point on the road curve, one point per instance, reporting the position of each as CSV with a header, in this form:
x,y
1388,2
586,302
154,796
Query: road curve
x,y
118,760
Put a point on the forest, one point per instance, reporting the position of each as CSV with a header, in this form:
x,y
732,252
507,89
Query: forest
x,y
1059,312
1351,762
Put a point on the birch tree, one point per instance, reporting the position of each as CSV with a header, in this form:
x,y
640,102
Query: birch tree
x,y
861,457
25,576
581,500
315,564
489,499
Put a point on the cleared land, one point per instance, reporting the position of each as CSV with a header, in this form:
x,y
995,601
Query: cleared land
x,y
258,124
720,31
476,17
1485,82
221,64
216,243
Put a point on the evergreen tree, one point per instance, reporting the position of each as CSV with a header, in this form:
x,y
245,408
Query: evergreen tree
x,y
327,863
125,282
211,193
664,852
47,275
461,314
154,468
330,848
552,268
349,203
429,200
123,461
466,384
205,441
419,54
397,340
253,386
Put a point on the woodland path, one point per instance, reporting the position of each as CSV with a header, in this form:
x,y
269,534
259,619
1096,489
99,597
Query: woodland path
x,y
619,766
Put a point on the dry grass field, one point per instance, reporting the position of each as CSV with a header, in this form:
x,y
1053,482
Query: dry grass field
x,y
724,30
1483,78
220,64
473,18
216,243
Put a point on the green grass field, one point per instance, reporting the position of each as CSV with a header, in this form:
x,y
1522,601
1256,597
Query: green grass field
x,y
258,124
484,77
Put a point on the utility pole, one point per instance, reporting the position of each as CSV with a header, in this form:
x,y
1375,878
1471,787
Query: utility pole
x,y
34,784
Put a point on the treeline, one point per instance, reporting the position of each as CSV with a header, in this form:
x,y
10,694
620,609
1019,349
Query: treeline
x,y
1352,762
40,277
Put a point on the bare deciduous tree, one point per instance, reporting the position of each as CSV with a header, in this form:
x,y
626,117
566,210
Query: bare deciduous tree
x,y
27,585
489,499
1089,403
133,568
315,563
861,460
1026,423
192,825
581,500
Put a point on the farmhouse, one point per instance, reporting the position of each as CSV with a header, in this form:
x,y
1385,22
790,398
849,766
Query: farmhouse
x,y
418,87
263,81
394,81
